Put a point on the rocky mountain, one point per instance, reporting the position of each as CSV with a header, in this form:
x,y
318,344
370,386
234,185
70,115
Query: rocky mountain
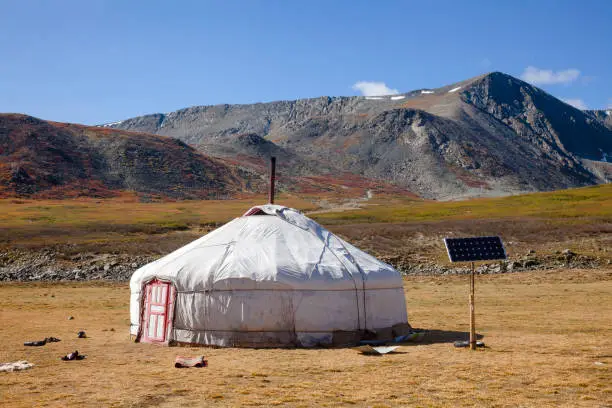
x,y
43,159
489,135
57,160
603,116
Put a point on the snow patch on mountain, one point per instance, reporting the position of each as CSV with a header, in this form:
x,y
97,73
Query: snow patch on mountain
x,y
111,124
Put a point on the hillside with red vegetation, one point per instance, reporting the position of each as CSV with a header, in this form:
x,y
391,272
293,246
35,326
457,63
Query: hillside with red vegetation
x,y
43,159
51,160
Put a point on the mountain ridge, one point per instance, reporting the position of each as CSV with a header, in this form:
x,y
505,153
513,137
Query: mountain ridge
x,y
488,135
604,116
46,159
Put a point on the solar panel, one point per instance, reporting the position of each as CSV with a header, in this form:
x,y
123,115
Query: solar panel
x,y
475,249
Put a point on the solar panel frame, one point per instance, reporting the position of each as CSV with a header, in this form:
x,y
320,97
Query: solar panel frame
x,y
475,249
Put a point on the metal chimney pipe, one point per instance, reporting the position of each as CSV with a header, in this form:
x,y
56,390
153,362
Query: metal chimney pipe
x,y
272,179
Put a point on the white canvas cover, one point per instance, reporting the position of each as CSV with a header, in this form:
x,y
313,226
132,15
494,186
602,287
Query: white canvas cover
x,y
273,278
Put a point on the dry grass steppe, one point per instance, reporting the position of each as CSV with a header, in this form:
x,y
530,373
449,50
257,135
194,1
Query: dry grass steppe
x,y
547,332
576,219
548,338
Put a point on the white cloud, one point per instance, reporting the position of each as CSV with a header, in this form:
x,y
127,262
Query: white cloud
x,y
609,104
576,103
374,88
538,76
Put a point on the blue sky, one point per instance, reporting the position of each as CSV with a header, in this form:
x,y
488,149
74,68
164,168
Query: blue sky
x,y
100,61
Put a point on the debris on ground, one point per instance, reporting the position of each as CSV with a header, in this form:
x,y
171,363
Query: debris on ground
x,y
414,335
73,356
81,335
466,343
185,362
377,351
37,343
15,366
70,317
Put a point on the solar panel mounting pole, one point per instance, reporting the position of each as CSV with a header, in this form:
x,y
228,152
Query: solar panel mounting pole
x,y
470,250
472,313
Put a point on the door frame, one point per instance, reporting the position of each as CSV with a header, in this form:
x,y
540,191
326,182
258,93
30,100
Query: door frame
x,y
170,306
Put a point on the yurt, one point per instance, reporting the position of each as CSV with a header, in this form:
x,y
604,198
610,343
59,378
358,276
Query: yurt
x,y
271,278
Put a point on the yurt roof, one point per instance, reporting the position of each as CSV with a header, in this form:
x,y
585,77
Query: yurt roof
x,y
270,247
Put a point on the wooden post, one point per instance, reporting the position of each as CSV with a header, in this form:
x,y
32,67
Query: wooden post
x,y
472,319
272,179
471,250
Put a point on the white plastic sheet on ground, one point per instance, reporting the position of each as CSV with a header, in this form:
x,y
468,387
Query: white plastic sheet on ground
x,y
15,366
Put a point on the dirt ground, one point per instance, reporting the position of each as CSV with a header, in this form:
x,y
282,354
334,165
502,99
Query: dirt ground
x,y
548,336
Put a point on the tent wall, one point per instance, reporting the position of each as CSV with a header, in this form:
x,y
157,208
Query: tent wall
x,y
274,318
274,280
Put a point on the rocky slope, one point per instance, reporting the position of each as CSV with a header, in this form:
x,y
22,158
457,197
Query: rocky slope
x,y
50,264
42,159
57,160
489,135
603,116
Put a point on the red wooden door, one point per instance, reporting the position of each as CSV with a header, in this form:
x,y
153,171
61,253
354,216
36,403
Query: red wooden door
x,y
158,307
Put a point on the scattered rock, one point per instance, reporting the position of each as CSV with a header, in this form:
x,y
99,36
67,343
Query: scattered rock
x,y
73,356
38,343
494,268
52,265
70,317
43,265
568,253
